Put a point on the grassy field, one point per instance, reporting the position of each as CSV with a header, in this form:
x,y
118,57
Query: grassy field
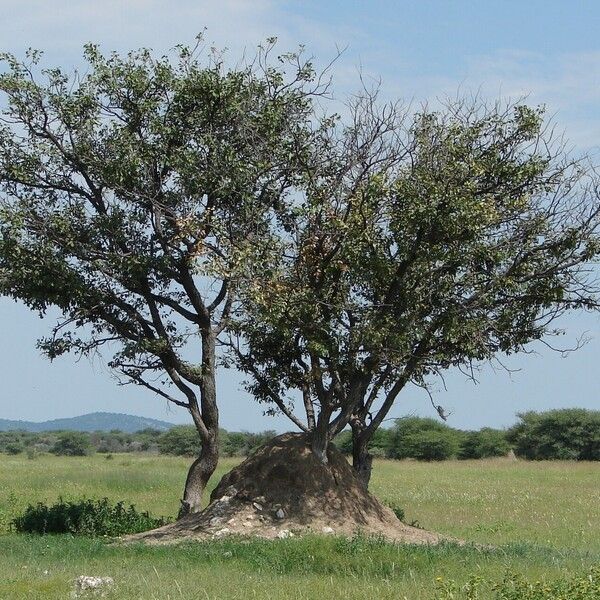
x,y
543,520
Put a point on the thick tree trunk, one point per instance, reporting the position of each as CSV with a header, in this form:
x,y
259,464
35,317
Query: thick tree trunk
x,y
320,435
206,419
362,461
198,475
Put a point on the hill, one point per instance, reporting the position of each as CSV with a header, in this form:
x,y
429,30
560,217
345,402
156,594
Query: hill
x,y
99,421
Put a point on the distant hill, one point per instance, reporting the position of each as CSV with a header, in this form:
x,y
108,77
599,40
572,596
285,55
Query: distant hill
x,y
99,421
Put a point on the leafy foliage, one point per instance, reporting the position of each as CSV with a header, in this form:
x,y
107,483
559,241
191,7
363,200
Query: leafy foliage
x,y
432,240
572,433
85,517
135,197
484,443
182,440
72,443
423,439
516,587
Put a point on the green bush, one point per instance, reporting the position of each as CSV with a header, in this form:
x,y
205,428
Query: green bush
x,y
566,434
423,439
85,517
484,443
72,443
378,446
242,443
13,448
182,440
15,442
515,587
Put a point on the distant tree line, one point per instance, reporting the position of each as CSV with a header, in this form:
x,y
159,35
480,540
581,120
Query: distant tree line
x,y
567,434
180,440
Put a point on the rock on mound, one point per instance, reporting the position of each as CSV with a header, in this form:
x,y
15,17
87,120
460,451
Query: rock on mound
x,y
283,490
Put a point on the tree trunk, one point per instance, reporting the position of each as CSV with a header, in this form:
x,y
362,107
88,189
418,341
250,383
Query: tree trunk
x,y
320,435
362,460
198,475
206,419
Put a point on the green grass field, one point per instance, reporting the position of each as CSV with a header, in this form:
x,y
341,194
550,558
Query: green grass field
x,y
543,520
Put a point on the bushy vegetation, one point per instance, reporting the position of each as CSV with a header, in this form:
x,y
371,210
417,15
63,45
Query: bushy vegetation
x,y
568,434
72,443
484,443
571,434
181,440
85,517
423,439
516,587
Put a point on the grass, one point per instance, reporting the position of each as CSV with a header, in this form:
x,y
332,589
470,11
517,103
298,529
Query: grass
x,y
544,519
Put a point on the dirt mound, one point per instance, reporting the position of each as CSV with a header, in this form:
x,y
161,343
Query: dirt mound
x,y
284,490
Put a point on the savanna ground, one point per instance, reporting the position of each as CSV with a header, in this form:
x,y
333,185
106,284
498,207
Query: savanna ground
x,y
542,519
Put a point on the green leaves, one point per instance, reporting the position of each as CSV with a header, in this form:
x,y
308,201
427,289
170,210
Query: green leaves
x,y
421,243
135,196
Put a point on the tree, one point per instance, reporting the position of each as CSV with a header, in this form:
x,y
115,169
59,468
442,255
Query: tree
x,y
484,443
181,440
72,443
565,434
132,197
423,439
423,241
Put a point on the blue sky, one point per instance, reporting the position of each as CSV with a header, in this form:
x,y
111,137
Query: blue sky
x,y
547,50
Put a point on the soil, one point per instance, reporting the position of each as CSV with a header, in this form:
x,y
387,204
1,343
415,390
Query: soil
x,y
283,490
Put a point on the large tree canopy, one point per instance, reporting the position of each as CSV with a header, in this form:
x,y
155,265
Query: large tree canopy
x,y
431,240
165,205
134,195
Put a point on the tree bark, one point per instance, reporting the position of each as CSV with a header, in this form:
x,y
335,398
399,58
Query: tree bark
x,y
320,435
362,460
206,419
198,475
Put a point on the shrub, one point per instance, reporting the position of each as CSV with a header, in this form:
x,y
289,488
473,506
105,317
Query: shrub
x,y
85,517
14,447
397,510
515,587
571,434
343,442
242,443
182,440
378,446
484,443
72,443
433,445
14,442
423,439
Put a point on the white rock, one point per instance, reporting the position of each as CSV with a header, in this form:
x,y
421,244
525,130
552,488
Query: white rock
x,y
222,532
328,530
257,506
86,583
285,533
